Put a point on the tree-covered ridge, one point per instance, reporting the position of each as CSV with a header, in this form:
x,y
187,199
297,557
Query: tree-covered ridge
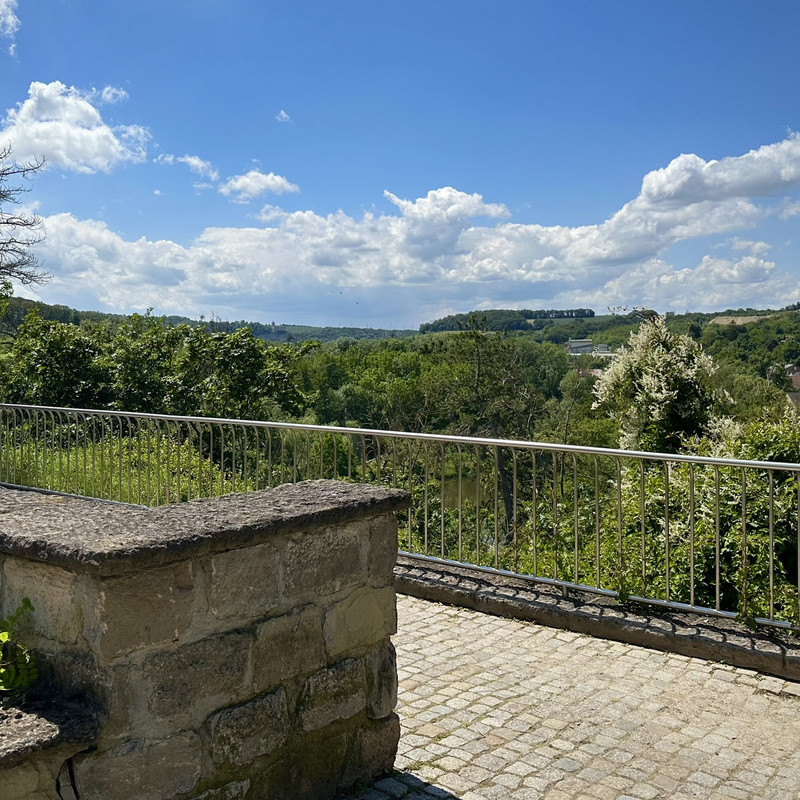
x,y
18,307
504,319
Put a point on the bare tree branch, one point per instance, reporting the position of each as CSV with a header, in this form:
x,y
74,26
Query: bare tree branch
x,y
19,233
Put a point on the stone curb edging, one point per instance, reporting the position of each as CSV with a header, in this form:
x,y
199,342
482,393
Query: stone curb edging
x,y
694,635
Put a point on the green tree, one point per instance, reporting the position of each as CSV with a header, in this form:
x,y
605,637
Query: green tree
x,y
56,364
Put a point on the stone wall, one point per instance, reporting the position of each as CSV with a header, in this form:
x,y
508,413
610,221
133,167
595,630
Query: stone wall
x,y
230,648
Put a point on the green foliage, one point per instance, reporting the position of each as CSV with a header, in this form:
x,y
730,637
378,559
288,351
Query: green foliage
x,y
17,664
147,365
51,363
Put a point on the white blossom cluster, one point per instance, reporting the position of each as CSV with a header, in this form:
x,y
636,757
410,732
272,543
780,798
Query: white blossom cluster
x,y
658,380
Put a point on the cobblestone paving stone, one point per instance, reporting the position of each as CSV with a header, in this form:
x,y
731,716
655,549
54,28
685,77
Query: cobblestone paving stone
x,y
496,708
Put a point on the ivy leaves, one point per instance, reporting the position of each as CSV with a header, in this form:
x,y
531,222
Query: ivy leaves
x,y
17,664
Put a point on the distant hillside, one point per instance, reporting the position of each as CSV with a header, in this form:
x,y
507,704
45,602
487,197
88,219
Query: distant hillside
x,y
499,319
19,307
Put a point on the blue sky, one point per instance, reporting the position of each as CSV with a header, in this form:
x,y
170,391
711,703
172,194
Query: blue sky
x,y
363,163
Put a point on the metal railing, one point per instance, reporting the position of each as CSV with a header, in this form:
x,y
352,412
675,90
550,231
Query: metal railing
x,y
718,536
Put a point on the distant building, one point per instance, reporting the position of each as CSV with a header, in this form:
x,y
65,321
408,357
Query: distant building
x,y
793,373
585,347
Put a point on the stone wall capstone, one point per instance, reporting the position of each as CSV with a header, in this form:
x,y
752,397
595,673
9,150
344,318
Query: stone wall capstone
x,y
236,647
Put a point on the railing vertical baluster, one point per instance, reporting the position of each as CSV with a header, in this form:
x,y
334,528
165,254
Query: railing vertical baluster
x,y
441,497
745,588
666,529
477,505
269,459
425,497
534,515
258,457
221,459
555,515
643,522
717,547
159,464
576,525
496,507
59,484
691,534
233,430
245,470
771,545
797,539
460,502
515,516
619,524
596,521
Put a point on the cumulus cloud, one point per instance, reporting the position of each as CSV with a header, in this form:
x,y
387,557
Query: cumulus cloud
x,y
62,124
9,23
253,184
754,248
282,116
762,172
196,164
451,249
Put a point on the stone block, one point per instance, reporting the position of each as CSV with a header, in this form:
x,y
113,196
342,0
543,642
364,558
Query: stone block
x,y
244,583
323,562
380,666
237,790
377,746
382,551
286,647
144,770
142,609
52,590
311,772
240,735
21,781
332,694
188,683
362,619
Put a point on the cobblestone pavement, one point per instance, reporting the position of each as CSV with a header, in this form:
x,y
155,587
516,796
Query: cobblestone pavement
x,y
496,708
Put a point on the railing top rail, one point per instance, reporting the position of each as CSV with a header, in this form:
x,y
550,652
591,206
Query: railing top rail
x,y
427,437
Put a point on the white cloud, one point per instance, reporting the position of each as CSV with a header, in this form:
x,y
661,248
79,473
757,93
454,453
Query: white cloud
x,y
60,123
714,283
282,116
9,22
110,94
195,163
253,184
754,248
451,249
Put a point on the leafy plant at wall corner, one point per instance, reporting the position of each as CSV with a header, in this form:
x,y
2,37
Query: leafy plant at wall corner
x,y
17,664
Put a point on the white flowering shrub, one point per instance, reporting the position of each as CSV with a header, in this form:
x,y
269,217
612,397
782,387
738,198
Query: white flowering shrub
x,y
657,389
